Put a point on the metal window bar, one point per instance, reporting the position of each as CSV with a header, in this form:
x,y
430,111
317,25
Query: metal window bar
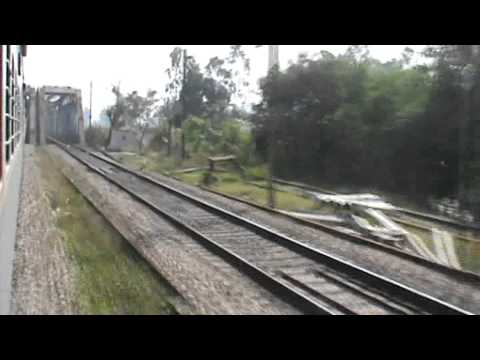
x,y
13,109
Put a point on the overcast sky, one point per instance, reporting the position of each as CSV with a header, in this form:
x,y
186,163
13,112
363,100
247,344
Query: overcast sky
x,y
142,67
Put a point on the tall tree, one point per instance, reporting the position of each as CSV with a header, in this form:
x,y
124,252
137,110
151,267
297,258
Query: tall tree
x,y
142,111
115,113
173,89
462,64
230,73
336,115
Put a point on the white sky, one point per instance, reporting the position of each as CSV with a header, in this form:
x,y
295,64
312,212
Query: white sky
x,y
142,67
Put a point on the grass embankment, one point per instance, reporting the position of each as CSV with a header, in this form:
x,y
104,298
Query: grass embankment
x,y
110,276
284,201
228,181
468,253
156,162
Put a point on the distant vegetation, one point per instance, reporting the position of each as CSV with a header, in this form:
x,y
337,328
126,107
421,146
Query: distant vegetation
x,y
342,120
350,119
231,136
197,114
96,136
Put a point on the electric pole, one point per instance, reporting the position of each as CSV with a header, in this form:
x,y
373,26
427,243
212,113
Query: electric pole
x,y
273,67
169,129
91,88
182,98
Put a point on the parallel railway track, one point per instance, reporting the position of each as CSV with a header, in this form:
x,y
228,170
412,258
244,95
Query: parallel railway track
x,y
309,279
417,214
400,211
356,238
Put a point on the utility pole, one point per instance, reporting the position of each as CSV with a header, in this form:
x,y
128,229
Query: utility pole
x,y
273,67
182,99
169,129
467,193
91,89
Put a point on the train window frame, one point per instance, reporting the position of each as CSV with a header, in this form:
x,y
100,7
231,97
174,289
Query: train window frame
x,y
12,132
2,97
12,108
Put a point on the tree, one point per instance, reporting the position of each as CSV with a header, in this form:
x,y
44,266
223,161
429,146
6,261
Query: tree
x,y
407,55
185,88
353,121
460,64
115,113
192,91
207,93
335,116
357,53
141,111
231,72
175,74
216,100
173,88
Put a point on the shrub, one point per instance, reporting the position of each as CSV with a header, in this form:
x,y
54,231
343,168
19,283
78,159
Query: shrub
x,y
96,136
159,141
229,137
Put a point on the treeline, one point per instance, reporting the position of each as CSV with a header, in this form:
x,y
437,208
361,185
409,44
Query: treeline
x,y
197,105
342,120
351,120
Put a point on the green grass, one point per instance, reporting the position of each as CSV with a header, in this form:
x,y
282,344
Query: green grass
x,y
110,276
284,201
227,181
193,178
289,201
160,163
256,172
424,235
468,252
243,190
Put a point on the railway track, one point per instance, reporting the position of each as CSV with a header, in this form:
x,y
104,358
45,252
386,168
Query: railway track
x,y
408,214
309,279
417,214
436,266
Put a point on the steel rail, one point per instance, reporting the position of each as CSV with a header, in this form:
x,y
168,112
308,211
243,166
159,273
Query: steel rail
x,y
280,289
423,215
354,238
424,301
382,283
